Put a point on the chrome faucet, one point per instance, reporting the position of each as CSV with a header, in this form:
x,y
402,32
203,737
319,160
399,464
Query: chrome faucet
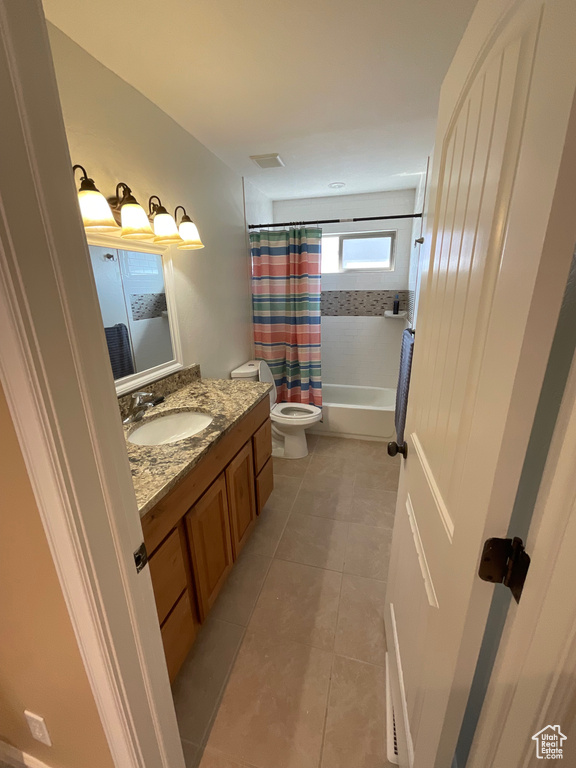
x,y
139,404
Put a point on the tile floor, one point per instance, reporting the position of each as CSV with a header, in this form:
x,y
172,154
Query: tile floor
x,y
288,670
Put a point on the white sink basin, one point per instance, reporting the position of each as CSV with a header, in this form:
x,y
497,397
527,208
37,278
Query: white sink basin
x,y
170,428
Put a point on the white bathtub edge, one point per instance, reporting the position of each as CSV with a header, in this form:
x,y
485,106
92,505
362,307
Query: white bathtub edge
x,y
347,436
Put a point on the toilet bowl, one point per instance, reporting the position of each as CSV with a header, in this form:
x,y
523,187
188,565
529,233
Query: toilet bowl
x,y
289,420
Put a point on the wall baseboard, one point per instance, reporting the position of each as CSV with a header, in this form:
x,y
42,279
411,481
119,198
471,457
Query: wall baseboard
x,y
16,758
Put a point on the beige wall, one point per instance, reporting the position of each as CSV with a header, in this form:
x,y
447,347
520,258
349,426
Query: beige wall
x,y
119,135
40,664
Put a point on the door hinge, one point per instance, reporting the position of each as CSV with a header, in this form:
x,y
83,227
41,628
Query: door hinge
x,y
505,561
140,557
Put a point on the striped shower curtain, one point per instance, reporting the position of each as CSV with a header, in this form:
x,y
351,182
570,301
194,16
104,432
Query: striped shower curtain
x,y
286,299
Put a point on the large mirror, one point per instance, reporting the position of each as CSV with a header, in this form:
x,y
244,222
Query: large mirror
x,y
131,289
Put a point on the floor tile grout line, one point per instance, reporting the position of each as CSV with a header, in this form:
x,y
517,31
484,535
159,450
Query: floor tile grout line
x,y
242,763
348,522
308,565
288,516
277,640
259,592
192,743
220,696
360,661
331,674
327,709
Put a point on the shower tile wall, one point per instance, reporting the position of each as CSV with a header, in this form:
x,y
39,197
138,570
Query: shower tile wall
x,y
360,349
361,303
363,351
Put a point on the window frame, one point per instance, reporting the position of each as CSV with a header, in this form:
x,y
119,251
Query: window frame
x,y
390,233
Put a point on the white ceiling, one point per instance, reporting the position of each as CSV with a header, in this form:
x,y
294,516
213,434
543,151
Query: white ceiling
x,y
343,90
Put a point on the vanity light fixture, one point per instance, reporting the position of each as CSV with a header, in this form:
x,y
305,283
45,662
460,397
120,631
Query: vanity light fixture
x,y
135,224
96,213
165,229
188,232
122,213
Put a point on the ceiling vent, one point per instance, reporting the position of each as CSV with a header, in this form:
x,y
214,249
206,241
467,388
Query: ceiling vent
x,y
268,161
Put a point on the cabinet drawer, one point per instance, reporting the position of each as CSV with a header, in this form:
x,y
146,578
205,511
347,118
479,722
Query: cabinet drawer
x,y
210,544
265,484
168,574
178,634
262,445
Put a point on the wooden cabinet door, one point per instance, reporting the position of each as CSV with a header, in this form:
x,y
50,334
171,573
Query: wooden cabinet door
x,y
241,497
262,445
178,634
210,543
264,484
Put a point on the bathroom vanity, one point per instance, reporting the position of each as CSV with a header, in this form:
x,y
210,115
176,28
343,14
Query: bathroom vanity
x,y
199,501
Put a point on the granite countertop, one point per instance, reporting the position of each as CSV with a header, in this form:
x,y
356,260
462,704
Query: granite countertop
x,y
156,469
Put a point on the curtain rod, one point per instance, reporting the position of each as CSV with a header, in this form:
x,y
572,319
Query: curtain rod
x,y
336,221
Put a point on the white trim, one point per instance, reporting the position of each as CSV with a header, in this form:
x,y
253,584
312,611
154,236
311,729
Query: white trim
x,y
115,241
15,757
139,380
422,560
447,521
403,733
175,330
390,735
53,367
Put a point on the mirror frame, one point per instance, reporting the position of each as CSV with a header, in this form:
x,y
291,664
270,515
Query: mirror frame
x,y
139,380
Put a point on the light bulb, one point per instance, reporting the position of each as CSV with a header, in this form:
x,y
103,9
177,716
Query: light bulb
x,y
96,213
165,229
135,224
190,235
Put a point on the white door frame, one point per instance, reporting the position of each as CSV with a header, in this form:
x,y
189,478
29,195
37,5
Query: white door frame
x,y
532,683
58,384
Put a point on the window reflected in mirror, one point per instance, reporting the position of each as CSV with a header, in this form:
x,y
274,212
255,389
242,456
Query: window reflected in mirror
x,y
132,296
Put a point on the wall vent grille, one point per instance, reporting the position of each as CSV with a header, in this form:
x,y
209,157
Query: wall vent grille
x,y
268,161
391,735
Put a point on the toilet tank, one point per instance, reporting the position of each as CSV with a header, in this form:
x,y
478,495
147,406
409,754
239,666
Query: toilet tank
x,y
249,370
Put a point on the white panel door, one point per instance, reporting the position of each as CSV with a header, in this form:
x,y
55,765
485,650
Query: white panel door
x,y
500,247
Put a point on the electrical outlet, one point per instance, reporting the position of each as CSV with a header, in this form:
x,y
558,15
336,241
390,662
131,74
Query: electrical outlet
x,y
38,728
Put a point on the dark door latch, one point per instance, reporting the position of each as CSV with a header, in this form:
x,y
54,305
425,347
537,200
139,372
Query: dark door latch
x,y
505,561
140,557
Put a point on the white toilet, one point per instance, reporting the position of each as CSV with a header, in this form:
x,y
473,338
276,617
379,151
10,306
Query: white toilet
x,y
289,420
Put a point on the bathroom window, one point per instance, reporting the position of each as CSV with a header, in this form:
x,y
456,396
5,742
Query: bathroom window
x,y
358,252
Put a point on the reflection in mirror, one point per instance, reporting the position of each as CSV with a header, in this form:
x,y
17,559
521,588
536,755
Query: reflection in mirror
x,y
132,299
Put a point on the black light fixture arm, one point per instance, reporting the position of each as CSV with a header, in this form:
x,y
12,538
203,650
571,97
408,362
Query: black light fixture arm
x,y
81,167
86,184
123,195
155,207
185,216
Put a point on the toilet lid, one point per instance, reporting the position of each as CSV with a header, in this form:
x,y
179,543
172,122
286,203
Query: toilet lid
x,y
265,375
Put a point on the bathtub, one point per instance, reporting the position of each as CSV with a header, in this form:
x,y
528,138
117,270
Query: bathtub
x,y
361,412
